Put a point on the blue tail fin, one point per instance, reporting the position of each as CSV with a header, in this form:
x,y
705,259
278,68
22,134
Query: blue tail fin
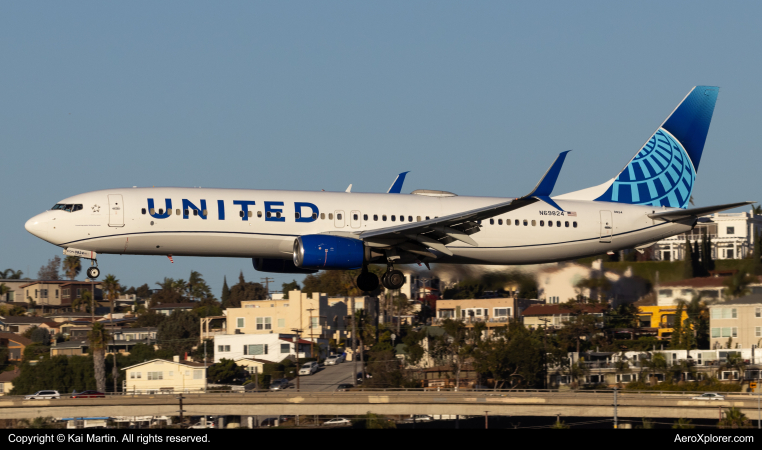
x,y
663,172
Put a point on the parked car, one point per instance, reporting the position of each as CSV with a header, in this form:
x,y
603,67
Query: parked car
x,y
344,387
331,361
308,368
279,384
338,421
88,394
709,396
202,425
419,418
342,358
43,395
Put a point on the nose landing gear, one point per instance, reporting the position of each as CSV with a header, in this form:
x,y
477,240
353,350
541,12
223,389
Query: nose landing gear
x,y
93,272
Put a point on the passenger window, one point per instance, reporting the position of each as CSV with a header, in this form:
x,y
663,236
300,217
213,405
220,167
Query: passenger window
x,y
542,223
525,222
364,217
322,216
499,221
169,212
402,218
178,211
575,224
143,210
330,216
534,223
550,223
417,218
375,217
517,222
206,213
409,218
356,216
558,223
240,213
259,213
338,216
383,218
268,214
566,224
277,214
427,218
492,221
161,211
195,212
153,211
394,218
314,216
185,212
297,216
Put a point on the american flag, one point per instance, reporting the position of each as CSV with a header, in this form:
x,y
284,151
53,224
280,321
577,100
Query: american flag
x,y
571,213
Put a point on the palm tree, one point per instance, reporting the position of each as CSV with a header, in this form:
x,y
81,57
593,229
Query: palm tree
x,y
111,285
72,265
99,338
657,364
10,274
738,285
734,418
735,363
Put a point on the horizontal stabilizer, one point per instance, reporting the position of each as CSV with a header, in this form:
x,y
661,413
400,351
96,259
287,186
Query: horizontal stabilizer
x,y
695,212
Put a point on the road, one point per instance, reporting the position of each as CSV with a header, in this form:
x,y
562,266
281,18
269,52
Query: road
x,y
327,378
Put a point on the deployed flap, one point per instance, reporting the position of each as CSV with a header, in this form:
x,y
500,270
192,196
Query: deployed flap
x,y
396,187
695,212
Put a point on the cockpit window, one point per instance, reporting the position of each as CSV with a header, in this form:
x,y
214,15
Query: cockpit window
x,y
67,207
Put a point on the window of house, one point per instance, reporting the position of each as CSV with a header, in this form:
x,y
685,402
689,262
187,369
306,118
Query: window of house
x,y
138,375
132,375
715,332
758,312
281,323
285,348
195,212
502,312
534,223
155,376
731,230
314,322
758,331
255,349
239,322
264,323
198,374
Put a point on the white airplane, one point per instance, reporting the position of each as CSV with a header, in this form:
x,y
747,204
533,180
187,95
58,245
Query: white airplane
x,y
305,231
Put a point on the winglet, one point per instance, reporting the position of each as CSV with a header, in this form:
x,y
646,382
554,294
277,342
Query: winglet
x,y
396,187
545,187
349,189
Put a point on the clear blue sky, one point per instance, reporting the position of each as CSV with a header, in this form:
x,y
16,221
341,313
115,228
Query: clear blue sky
x,y
472,97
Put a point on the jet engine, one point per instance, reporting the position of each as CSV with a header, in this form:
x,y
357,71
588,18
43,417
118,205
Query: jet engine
x,y
278,266
324,251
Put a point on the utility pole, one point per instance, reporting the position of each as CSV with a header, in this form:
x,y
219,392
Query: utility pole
x,y
267,281
545,354
616,424
486,420
205,377
296,348
312,336
181,411
354,342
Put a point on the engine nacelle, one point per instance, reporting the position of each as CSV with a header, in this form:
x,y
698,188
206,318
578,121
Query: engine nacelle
x,y
324,251
278,266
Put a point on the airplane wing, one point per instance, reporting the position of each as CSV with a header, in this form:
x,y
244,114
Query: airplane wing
x,y
678,214
416,237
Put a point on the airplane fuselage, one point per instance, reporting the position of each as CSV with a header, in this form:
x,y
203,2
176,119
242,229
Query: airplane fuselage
x,y
264,223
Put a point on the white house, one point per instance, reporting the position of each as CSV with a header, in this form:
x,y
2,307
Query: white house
x,y
162,376
732,237
266,347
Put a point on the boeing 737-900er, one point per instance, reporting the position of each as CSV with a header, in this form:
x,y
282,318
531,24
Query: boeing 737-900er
x,y
304,231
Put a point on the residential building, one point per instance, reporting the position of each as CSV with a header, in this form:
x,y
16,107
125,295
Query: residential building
x,y
15,344
559,284
124,339
661,318
17,294
711,289
169,308
317,317
267,347
162,376
736,322
19,324
554,316
732,236
6,381
252,365
57,294
492,311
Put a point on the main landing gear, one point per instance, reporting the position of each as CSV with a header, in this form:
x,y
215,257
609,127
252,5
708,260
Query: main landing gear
x,y
93,272
392,279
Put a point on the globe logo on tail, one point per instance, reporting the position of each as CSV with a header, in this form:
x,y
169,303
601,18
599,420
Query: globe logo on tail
x,y
661,174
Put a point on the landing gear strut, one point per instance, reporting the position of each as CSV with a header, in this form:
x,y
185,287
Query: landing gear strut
x,y
367,281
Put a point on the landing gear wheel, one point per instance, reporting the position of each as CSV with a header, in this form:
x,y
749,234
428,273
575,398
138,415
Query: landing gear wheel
x,y
93,272
384,283
367,282
394,280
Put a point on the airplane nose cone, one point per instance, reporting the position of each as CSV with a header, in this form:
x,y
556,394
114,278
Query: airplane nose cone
x,y
33,226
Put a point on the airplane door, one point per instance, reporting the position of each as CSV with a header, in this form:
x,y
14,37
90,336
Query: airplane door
x,y
115,211
607,226
354,219
338,219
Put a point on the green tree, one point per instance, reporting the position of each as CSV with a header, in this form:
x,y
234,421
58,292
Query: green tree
x,y
99,337
734,418
737,285
10,274
40,335
172,291
197,287
179,332
735,362
143,291
656,364
756,256
72,265
39,423
225,297
372,421
4,290
707,261
223,372
50,270
244,291
688,261
698,317
676,340
111,286
288,287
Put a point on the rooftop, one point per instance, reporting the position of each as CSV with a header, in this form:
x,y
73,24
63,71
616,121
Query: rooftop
x,y
15,338
754,299
559,309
